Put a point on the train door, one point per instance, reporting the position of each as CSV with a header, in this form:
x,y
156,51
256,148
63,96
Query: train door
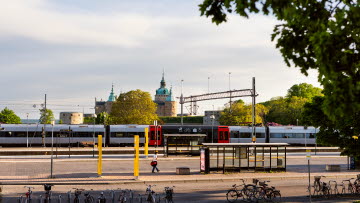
x,y
155,135
223,134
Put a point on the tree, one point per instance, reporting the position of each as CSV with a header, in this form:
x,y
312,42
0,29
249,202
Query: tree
x,y
134,107
334,133
9,116
240,113
103,118
46,116
286,111
304,90
313,34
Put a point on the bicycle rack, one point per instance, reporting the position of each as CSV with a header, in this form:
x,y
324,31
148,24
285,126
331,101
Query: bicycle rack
x,y
59,199
40,199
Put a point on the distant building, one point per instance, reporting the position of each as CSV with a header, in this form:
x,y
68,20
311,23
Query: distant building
x,y
72,118
166,105
210,115
105,106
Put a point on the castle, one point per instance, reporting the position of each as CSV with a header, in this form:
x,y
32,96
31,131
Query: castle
x,y
166,105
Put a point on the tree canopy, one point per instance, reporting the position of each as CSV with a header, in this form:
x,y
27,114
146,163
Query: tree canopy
x,y
9,116
286,111
241,113
46,116
312,34
334,133
134,107
103,118
304,90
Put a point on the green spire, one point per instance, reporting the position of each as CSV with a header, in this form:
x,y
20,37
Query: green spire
x,y
112,95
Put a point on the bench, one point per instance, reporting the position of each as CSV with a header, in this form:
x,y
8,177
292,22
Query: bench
x,y
332,167
182,171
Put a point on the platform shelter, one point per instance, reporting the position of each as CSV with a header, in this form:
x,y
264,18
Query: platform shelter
x,y
238,157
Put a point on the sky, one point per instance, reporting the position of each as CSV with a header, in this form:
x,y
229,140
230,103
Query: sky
x,y
74,50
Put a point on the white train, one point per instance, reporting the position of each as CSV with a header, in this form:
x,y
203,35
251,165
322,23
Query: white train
x,y
122,135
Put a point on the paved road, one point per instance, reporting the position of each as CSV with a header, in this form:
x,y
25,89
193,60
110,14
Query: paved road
x,y
87,167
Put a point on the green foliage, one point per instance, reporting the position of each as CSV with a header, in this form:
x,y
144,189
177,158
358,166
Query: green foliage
x,y
134,107
334,133
61,121
304,90
103,118
313,34
240,113
186,119
89,120
9,116
285,111
46,116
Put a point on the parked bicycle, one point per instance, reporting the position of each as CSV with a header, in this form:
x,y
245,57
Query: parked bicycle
x,y
150,193
28,194
169,192
242,191
101,198
321,188
349,186
47,188
88,197
123,197
77,194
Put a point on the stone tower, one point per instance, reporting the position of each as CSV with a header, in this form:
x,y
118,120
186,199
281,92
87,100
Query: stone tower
x,y
105,106
165,100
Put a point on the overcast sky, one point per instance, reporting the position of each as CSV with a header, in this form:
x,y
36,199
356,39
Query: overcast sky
x,y
73,50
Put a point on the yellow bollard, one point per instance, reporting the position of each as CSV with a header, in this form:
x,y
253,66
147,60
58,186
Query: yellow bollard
x,y
100,155
146,152
136,159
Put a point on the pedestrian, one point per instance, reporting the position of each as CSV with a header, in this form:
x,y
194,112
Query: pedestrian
x,y
154,163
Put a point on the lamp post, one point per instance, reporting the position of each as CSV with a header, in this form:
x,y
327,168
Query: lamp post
x,y
52,148
104,130
94,137
182,103
212,117
27,129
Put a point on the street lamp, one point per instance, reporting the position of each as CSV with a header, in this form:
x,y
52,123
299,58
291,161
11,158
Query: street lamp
x,y
212,117
27,129
182,103
52,148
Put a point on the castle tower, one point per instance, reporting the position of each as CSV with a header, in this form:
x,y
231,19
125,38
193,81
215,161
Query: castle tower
x,y
105,106
166,105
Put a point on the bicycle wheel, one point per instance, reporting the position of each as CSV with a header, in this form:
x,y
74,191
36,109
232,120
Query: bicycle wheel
x,y
76,200
275,196
249,191
232,195
90,199
316,189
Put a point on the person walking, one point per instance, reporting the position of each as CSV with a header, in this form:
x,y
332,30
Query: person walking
x,y
154,163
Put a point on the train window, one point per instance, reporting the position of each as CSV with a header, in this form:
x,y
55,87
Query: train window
x,y
117,134
276,135
287,135
298,135
234,134
260,135
245,135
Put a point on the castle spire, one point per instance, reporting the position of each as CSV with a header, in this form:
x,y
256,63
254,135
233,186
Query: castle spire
x,y
163,83
112,95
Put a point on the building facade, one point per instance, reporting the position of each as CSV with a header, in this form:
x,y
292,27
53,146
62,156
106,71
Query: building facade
x,y
166,105
72,118
105,106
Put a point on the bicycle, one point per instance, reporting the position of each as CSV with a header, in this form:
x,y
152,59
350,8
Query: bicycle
x,y
150,193
122,196
101,198
169,191
350,186
77,194
88,197
28,194
247,192
333,188
320,187
47,188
